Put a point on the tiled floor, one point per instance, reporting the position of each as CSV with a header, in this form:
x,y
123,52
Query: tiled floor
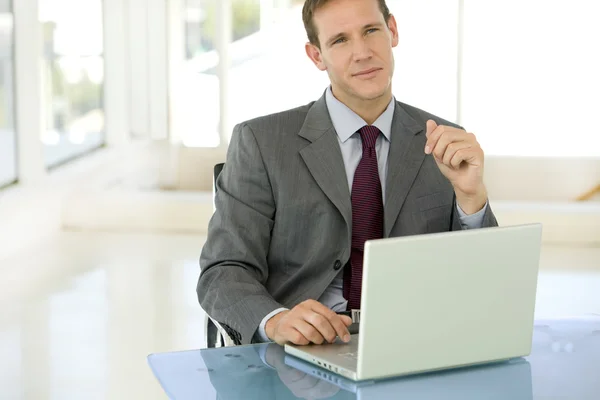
x,y
80,313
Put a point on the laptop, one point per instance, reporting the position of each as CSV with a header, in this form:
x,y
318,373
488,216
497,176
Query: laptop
x,y
436,301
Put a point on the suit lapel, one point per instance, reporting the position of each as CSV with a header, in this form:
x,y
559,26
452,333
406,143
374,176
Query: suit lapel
x,y
404,161
323,158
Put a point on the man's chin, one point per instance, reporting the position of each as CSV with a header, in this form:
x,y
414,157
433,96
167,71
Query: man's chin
x,y
372,94
372,90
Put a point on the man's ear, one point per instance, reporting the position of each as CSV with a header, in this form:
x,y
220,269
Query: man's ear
x,y
314,53
393,26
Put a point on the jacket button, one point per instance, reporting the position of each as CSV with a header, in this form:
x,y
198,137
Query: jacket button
x,y
337,265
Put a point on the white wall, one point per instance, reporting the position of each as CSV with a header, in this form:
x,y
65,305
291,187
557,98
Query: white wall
x,y
530,78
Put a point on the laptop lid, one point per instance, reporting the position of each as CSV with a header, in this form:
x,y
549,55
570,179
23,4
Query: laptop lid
x,y
448,299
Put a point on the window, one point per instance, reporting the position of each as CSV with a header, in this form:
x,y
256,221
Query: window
x,y
73,78
197,88
270,71
198,110
8,149
274,73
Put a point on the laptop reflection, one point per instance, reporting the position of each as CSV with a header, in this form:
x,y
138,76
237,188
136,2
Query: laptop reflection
x,y
505,380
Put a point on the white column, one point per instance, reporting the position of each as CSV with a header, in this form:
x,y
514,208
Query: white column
x,y
139,79
224,35
158,60
28,92
116,82
147,68
176,59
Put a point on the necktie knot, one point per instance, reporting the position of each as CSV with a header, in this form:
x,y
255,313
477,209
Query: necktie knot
x,y
369,135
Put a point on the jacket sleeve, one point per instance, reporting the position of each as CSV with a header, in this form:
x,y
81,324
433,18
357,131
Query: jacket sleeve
x,y
488,220
233,261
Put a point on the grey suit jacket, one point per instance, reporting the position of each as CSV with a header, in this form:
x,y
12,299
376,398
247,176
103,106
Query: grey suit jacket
x,y
282,227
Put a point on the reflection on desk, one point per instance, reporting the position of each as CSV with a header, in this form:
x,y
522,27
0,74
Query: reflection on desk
x,y
564,363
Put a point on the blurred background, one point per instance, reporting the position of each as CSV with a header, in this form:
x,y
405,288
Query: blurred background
x,y
114,112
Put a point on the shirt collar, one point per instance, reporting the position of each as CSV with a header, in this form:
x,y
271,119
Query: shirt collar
x,y
346,122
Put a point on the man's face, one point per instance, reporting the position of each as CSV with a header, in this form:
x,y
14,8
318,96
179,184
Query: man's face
x,y
356,48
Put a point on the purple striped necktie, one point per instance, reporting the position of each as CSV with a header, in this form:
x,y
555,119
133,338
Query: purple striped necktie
x,y
367,213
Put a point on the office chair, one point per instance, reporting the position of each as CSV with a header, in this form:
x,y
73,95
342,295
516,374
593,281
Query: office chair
x,y
216,334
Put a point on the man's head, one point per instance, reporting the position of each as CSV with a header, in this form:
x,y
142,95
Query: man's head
x,y
352,40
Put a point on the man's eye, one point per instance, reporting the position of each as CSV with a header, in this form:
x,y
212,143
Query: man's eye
x,y
340,40
372,30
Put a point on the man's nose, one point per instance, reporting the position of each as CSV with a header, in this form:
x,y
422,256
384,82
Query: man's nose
x,y
361,50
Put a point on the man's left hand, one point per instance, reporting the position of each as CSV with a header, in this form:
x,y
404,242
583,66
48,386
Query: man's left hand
x,y
460,158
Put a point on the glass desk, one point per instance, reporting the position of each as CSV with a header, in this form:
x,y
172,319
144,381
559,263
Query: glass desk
x,y
564,364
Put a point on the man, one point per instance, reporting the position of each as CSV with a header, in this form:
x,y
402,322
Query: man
x,y
303,190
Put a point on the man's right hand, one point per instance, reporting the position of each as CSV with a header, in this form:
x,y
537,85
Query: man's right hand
x,y
308,322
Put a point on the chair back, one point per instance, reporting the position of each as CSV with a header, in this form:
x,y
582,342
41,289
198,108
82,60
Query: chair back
x,y
216,172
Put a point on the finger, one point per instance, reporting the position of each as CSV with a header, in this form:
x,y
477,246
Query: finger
x,y
289,334
444,140
468,155
431,126
434,137
322,324
439,132
340,327
457,159
309,331
346,320
452,148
